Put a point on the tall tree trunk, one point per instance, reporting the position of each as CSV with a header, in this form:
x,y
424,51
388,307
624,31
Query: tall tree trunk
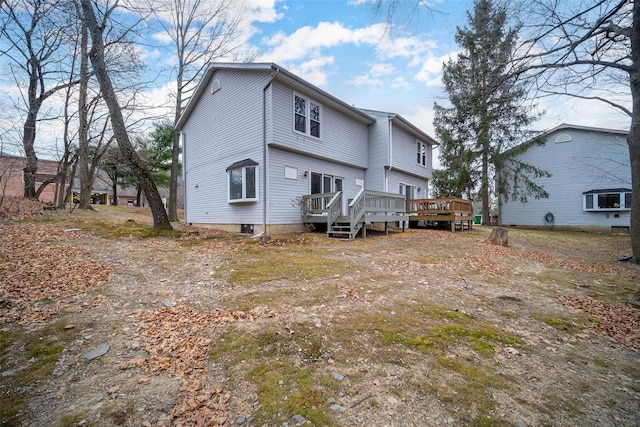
x,y
173,184
160,218
484,191
114,192
633,139
175,155
86,184
31,160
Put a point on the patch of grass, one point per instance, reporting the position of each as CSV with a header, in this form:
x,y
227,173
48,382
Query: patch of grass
x,y
256,264
287,390
120,414
73,420
270,359
560,323
44,348
36,353
432,330
472,389
111,229
12,406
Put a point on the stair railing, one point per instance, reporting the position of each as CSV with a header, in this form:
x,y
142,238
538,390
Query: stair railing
x,y
334,209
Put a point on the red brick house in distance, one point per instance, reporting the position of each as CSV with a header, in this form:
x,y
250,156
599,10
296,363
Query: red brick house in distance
x,y
12,182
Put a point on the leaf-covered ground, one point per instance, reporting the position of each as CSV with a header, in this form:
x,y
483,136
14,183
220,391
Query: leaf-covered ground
x,y
417,328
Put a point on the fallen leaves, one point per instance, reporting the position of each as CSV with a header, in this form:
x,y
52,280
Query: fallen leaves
x,y
620,322
177,344
19,207
39,269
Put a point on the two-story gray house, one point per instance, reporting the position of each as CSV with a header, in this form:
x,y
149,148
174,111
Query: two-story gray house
x,y
590,183
257,138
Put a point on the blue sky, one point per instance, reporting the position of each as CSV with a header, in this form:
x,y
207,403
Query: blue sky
x,y
346,49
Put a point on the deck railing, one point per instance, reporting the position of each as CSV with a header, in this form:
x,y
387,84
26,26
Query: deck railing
x,y
374,202
317,203
439,206
334,209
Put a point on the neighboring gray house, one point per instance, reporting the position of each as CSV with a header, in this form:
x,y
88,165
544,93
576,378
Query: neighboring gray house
x,y
590,184
256,138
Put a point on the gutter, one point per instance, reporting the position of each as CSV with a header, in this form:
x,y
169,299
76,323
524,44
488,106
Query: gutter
x,y
264,149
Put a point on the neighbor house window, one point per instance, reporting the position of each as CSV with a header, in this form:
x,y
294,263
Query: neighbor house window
x,y
422,153
307,116
607,200
243,181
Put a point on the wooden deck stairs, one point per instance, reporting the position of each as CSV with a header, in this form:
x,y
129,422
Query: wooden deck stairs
x,y
367,207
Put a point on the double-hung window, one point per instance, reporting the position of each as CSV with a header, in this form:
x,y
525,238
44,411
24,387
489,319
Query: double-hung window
x,y
422,153
243,181
307,116
607,200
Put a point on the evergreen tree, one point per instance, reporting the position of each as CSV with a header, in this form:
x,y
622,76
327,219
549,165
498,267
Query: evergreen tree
x,y
487,115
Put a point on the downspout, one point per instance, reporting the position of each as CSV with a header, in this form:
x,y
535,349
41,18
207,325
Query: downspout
x,y
264,151
386,180
184,176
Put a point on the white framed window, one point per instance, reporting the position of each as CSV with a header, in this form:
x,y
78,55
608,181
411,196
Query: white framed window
x,y
322,183
421,153
616,199
243,181
307,116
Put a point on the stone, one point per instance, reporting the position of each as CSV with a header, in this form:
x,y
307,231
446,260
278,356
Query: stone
x,y
337,408
520,423
97,352
297,420
338,377
240,420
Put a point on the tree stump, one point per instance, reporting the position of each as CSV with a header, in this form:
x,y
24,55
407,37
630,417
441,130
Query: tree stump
x,y
499,236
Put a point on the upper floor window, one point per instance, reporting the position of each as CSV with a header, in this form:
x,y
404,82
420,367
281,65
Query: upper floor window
x,y
243,181
422,153
607,200
307,115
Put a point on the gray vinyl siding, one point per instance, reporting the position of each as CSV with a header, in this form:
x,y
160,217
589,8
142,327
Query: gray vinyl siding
x,y
220,131
404,152
591,160
282,191
396,178
342,139
378,154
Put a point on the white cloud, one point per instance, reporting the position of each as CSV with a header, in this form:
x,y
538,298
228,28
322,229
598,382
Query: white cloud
x,y
422,117
312,70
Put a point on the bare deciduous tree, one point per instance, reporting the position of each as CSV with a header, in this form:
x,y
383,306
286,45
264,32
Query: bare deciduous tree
x,y
200,31
34,31
97,56
590,50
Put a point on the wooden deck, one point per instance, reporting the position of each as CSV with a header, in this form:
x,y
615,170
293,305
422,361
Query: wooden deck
x,y
458,213
367,207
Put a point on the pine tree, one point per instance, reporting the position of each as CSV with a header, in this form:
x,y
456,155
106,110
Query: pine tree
x,y
488,113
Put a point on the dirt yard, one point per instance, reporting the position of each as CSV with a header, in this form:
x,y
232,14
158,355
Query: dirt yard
x,y
104,322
